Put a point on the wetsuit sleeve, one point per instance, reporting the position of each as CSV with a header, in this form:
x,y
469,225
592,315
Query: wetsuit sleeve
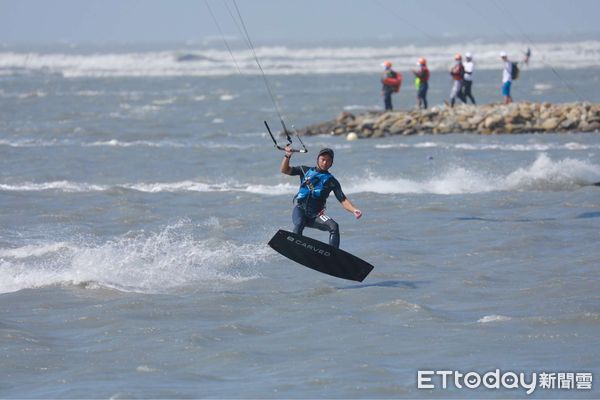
x,y
337,190
299,170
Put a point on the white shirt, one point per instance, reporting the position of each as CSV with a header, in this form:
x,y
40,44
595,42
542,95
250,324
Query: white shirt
x,y
507,72
469,66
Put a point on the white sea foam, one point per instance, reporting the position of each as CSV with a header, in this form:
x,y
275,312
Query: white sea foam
x,y
454,180
89,93
63,186
35,250
532,147
138,262
29,143
292,60
24,142
493,318
546,174
542,86
183,186
193,186
227,97
543,174
151,187
135,143
358,107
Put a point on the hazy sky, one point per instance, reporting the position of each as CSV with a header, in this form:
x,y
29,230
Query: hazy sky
x,y
82,21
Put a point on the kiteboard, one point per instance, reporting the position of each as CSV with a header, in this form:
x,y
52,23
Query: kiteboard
x,y
320,256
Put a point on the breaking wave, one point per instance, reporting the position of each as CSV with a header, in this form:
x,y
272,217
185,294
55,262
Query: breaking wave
x,y
288,60
156,187
115,143
544,174
136,262
493,318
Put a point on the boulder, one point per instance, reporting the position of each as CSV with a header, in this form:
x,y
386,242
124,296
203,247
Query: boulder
x,y
550,124
476,119
493,121
344,118
568,124
378,133
483,119
339,130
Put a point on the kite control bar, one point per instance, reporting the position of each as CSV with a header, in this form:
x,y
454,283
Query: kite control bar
x,y
289,139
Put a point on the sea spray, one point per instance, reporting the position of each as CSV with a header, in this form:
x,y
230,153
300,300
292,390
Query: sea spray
x,y
206,61
544,174
138,262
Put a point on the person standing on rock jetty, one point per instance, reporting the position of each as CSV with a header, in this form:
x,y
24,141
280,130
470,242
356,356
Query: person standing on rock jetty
x,y
422,82
316,184
457,72
391,81
506,77
468,78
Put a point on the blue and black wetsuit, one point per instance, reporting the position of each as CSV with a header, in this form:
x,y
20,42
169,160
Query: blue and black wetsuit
x,y
315,187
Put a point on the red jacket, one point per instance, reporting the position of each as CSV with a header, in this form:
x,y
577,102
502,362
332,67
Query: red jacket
x,y
458,72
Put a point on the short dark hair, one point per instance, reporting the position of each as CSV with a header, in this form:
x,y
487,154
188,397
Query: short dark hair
x,y
326,150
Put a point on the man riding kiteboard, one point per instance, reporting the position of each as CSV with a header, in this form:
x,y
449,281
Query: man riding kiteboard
x,y
316,183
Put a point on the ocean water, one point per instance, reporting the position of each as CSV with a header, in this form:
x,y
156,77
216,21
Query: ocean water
x,y
138,191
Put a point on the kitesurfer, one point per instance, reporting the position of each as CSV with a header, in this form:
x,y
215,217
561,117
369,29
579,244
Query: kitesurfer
x,y
316,183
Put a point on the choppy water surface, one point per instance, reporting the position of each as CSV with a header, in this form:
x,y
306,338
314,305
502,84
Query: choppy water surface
x,y
135,211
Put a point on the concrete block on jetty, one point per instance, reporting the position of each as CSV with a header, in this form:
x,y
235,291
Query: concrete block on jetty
x,y
522,117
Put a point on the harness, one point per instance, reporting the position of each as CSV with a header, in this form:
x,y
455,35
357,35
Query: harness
x,y
312,187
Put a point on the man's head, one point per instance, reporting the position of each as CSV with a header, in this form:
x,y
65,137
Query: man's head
x,y
325,159
503,55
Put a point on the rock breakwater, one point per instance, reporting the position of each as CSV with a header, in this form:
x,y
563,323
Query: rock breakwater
x,y
482,119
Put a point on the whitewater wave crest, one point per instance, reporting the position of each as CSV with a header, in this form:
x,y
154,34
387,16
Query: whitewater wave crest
x,y
288,60
544,174
155,262
115,143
